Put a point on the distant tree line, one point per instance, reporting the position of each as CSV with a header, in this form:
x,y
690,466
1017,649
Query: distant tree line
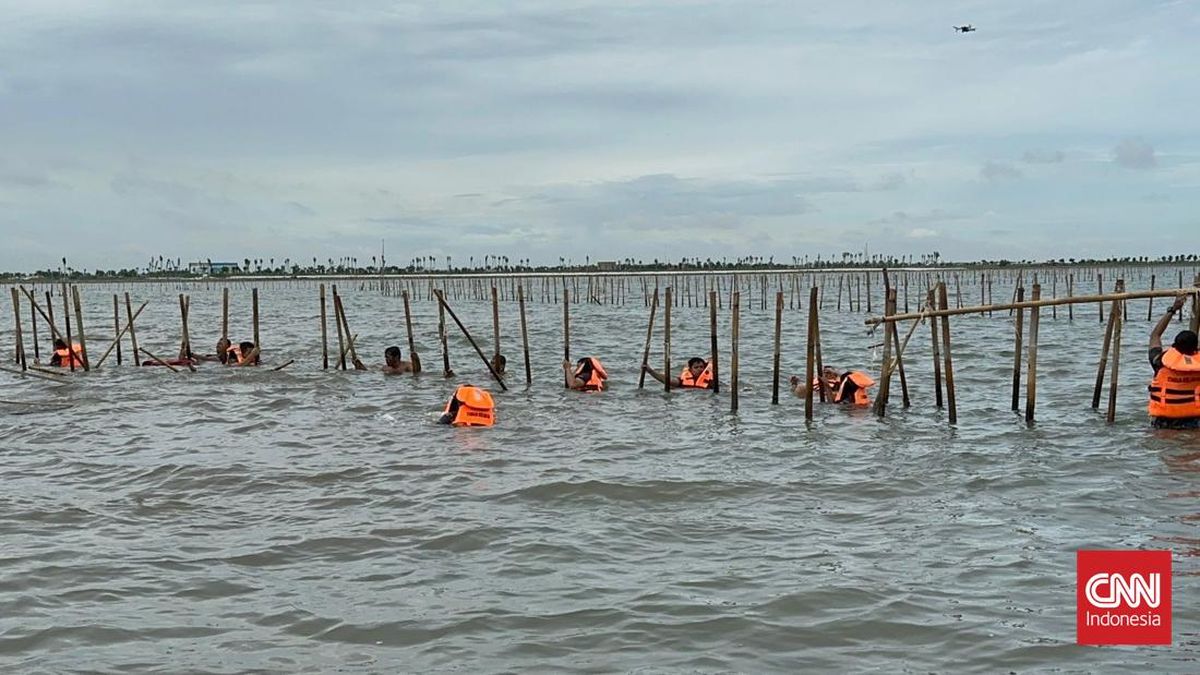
x,y
162,267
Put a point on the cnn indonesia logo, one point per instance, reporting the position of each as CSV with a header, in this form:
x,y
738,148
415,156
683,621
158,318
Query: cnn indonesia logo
x,y
1123,597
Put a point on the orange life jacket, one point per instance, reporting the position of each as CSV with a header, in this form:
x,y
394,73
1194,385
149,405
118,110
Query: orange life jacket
x,y
687,381
65,356
862,380
474,407
1175,389
595,381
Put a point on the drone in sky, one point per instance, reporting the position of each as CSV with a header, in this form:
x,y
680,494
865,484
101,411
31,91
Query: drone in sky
x,y
965,29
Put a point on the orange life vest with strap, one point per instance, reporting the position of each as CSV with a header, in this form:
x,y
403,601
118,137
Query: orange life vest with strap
x,y
597,374
861,380
472,407
687,381
65,356
1175,389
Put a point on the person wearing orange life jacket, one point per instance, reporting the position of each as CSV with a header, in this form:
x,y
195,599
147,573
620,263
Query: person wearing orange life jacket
x,y
63,357
470,406
587,375
849,387
1175,389
697,374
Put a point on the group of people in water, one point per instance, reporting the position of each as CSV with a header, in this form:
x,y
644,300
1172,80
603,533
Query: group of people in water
x,y
471,405
1174,391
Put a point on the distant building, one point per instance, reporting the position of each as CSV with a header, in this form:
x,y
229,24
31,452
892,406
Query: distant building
x,y
213,268
606,265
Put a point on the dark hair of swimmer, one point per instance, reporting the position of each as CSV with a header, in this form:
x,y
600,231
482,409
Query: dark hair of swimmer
x,y
1185,342
696,361
392,354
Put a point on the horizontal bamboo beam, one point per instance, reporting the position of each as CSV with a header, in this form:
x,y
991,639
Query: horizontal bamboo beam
x,y
1072,300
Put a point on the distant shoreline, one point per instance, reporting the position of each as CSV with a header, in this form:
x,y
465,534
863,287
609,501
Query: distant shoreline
x,y
574,271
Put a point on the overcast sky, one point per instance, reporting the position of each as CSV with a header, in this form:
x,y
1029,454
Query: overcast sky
x,y
544,128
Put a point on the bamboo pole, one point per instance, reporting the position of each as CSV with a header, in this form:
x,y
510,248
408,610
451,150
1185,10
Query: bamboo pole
x,y
35,372
1104,349
258,345
116,329
117,340
667,340
185,349
340,310
496,323
225,311
895,336
1016,376
885,370
1117,311
1150,301
284,365
778,335
444,339
83,355
499,380
524,334
815,318
733,359
412,344
649,334
1077,299
337,321
810,355
54,332
160,362
324,328
1031,377
566,333
1070,294
712,331
67,319
137,359
931,304
19,357
951,404
37,352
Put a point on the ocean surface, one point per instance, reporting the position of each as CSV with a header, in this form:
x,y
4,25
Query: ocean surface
x,y
303,520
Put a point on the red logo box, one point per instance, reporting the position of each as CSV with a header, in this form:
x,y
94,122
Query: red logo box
x,y
1123,597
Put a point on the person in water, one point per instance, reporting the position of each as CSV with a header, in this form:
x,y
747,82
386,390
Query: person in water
x,y
588,374
63,357
848,387
221,354
394,364
470,406
499,363
697,374
243,354
1175,389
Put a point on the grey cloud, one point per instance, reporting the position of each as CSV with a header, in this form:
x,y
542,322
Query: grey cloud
x,y
1043,157
667,195
995,171
1134,153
